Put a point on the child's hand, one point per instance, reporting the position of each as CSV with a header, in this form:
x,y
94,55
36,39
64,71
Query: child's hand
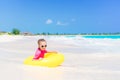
x,y
40,59
55,52
52,52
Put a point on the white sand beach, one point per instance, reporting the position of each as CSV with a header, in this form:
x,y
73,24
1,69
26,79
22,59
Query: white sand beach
x,y
85,59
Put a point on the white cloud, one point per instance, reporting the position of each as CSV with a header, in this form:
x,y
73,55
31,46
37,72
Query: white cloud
x,y
49,21
73,20
60,23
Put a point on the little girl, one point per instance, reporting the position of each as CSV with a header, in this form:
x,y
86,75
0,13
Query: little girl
x,y
42,44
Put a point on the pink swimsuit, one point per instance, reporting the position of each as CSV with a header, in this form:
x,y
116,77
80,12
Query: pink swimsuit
x,y
39,54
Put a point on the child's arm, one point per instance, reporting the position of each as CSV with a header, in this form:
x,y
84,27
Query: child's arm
x,y
52,52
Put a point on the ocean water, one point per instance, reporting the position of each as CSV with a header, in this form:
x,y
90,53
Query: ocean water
x,y
104,36
89,45
79,41
96,65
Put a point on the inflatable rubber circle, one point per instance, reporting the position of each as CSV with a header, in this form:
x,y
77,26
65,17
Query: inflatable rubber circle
x,y
49,60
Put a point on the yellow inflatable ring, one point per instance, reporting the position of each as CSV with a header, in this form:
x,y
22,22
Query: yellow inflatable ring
x,y
50,60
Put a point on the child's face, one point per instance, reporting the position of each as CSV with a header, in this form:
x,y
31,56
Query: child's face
x,y
42,45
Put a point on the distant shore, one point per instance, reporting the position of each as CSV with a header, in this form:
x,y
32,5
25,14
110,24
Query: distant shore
x,y
18,32
94,58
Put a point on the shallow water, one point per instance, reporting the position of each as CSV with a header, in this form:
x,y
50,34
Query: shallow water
x,y
103,36
85,59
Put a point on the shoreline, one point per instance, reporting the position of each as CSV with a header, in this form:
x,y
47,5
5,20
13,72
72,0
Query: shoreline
x,y
96,59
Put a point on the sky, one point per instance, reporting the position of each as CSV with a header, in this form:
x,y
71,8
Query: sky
x,y
60,16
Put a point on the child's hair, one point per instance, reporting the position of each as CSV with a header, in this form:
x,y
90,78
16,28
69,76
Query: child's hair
x,y
41,40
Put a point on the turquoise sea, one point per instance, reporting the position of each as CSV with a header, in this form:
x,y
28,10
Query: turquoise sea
x,y
103,36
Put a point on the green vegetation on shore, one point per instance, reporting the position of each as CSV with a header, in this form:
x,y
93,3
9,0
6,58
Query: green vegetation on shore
x,y
15,31
18,32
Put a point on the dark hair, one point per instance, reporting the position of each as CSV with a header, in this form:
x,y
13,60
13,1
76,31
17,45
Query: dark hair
x,y
41,40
